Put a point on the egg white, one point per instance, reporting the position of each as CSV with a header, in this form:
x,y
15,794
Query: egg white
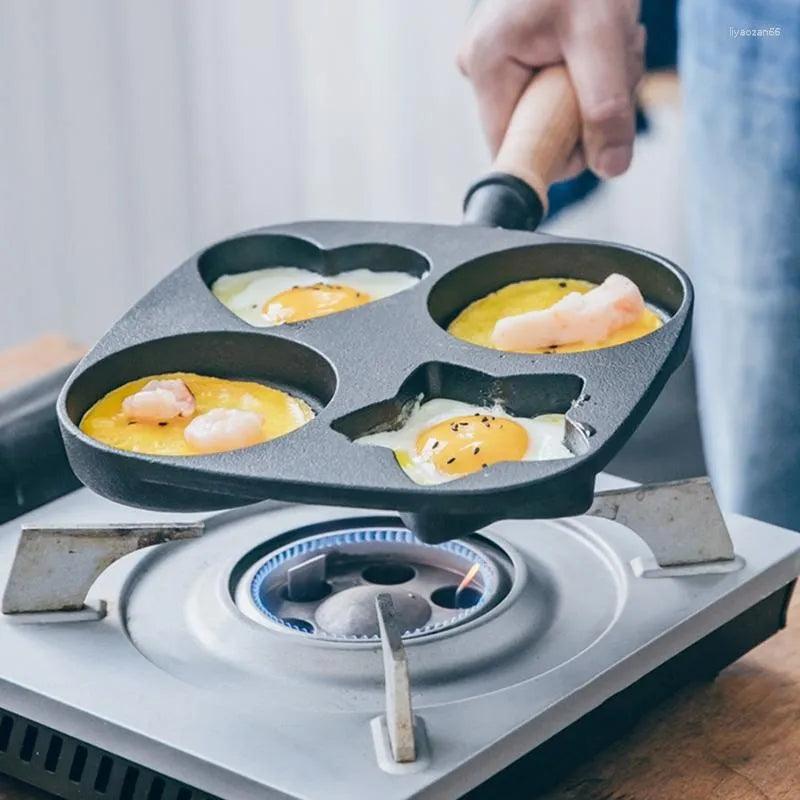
x,y
545,436
247,292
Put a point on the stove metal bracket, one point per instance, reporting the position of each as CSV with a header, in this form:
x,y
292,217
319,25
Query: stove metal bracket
x,y
399,717
55,567
681,523
383,748
89,613
305,580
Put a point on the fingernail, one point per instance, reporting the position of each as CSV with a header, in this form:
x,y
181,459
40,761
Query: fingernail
x,y
614,161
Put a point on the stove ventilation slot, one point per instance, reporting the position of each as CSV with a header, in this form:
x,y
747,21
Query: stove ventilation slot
x,y
75,770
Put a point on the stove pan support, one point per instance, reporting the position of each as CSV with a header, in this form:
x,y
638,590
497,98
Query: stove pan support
x,y
401,743
54,567
681,523
306,581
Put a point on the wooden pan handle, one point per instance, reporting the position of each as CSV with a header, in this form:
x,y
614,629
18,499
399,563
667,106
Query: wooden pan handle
x,y
544,130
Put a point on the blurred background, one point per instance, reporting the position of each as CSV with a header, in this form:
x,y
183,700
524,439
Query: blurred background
x,y
134,133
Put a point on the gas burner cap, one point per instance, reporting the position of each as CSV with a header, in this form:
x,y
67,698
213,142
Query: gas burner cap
x,y
325,586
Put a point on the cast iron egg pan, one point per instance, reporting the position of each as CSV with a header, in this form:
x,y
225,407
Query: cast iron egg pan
x,y
361,370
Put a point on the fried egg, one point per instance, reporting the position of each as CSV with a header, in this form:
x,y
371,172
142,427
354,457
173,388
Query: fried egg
x,y
477,321
278,295
442,440
225,415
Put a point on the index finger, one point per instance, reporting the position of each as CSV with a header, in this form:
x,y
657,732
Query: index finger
x,y
604,71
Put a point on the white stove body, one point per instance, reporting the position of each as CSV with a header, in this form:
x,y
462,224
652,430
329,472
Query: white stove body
x,y
176,679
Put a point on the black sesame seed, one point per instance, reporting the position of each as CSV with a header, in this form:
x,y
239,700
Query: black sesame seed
x,y
484,466
434,445
476,451
451,460
162,424
562,284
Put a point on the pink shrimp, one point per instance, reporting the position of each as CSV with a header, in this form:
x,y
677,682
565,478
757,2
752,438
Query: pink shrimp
x,y
224,429
589,317
159,401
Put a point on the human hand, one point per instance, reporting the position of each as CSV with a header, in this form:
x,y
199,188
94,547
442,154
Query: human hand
x,y
602,44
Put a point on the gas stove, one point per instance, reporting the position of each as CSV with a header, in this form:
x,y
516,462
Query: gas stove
x,y
285,651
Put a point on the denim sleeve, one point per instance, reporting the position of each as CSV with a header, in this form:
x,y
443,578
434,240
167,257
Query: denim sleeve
x,y
740,76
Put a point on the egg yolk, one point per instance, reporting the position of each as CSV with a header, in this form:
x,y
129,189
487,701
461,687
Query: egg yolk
x,y
461,445
316,300
476,322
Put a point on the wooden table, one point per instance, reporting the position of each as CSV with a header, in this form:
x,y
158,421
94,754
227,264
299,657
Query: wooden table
x,y
737,738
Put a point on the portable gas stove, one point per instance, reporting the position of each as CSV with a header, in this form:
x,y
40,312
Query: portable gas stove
x,y
313,652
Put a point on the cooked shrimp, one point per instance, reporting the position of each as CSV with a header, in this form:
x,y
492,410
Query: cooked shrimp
x,y
224,429
589,317
159,401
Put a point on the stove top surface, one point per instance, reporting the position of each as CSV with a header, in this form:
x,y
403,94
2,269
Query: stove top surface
x,y
191,675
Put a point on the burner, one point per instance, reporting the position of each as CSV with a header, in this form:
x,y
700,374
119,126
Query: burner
x,y
325,586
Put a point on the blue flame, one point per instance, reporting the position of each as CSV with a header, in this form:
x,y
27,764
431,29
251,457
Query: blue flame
x,y
359,535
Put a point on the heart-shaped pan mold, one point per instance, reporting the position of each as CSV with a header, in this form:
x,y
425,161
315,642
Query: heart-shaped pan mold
x,y
352,361
257,251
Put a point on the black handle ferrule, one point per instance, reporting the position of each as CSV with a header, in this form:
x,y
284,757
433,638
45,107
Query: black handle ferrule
x,y
501,200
